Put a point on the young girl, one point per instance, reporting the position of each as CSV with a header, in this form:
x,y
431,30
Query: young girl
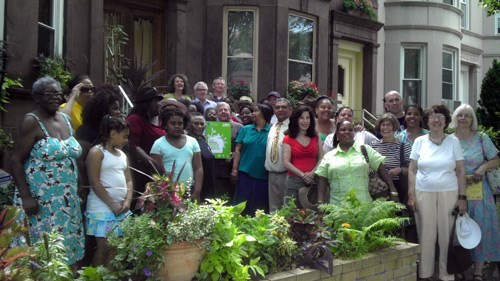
x,y
111,186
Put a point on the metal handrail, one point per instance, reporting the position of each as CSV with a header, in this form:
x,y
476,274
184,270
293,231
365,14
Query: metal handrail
x,y
366,115
127,104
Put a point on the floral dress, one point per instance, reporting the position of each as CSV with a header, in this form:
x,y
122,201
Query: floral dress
x,y
475,150
52,175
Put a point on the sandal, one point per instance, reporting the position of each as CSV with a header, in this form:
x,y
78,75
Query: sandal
x,y
460,277
477,277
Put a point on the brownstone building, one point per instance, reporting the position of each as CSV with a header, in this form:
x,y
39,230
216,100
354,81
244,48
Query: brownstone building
x,y
261,43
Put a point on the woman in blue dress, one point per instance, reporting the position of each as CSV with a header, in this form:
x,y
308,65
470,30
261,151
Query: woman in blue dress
x,y
480,155
45,170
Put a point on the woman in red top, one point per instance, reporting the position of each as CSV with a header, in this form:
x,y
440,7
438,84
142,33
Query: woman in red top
x,y
302,151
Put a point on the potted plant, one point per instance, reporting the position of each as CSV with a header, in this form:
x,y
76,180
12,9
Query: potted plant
x,y
299,91
170,228
360,8
239,89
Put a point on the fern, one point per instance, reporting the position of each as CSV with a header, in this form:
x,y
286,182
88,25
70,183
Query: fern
x,y
362,227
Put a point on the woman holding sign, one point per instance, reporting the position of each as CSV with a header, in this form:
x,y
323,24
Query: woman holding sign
x,y
480,156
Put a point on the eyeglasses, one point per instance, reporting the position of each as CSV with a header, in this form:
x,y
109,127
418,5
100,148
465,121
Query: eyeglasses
x,y
437,117
202,90
87,89
51,94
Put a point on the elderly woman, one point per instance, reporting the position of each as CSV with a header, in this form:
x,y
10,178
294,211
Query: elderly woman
x,y
414,125
248,162
397,166
302,151
45,170
177,88
480,156
436,185
345,168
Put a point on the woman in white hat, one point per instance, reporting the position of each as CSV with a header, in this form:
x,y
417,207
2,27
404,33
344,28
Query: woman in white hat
x,y
480,155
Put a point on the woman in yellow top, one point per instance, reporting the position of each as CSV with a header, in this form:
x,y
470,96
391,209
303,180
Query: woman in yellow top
x,y
345,168
80,90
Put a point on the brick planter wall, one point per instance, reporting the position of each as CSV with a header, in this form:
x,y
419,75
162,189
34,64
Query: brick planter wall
x,y
395,263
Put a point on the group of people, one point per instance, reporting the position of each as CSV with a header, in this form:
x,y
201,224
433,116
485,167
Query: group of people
x,y
275,151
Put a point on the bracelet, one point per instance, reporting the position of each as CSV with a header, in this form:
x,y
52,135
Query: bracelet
x,y
393,193
462,197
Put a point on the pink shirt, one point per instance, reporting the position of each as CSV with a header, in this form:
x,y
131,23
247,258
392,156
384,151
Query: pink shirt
x,y
302,157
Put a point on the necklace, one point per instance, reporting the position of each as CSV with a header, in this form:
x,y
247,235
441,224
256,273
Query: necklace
x,y
438,141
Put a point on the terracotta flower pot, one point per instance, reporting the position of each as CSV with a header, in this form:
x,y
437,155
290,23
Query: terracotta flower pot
x,y
181,261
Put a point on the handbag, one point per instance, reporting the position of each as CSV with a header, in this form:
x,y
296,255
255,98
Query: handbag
x,y
377,187
459,258
492,176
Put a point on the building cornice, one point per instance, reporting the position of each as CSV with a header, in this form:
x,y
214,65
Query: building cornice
x,y
423,4
425,27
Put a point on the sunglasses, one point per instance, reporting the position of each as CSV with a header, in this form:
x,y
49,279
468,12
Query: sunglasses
x,y
87,89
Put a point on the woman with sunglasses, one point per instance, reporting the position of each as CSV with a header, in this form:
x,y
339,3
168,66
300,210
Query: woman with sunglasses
x,y
80,90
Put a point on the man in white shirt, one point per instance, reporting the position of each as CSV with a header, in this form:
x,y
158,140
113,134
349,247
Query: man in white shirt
x,y
201,91
274,159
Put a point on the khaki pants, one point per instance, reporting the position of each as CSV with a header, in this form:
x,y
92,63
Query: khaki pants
x,y
276,183
434,222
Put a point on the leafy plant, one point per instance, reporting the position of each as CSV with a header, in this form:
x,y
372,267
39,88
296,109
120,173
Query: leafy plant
x,y
6,141
10,267
8,83
7,194
229,255
239,89
137,75
362,227
50,261
364,6
99,273
298,91
488,111
115,61
54,67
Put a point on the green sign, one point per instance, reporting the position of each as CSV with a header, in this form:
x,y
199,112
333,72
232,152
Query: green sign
x,y
219,138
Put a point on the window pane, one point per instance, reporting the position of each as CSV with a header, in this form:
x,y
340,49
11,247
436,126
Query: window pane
x,y
447,76
300,71
411,91
301,31
45,40
448,2
240,29
447,60
412,63
447,91
238,70
45,12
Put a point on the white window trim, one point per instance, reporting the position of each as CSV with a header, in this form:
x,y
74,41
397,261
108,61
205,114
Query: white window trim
x,y
57,26
466,13
2,20
497,16
313,63
454,73
255,45
423,66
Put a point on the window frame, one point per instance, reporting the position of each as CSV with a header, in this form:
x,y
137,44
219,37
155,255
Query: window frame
x,y
497,24
465,20
453,73
314,45
2,22
255,47
422,79
57,26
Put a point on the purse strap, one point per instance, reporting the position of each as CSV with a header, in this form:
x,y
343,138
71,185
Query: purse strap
x,y
365,154
452,235
402,154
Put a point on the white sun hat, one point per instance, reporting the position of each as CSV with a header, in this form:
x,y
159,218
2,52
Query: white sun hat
x,y
468,232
